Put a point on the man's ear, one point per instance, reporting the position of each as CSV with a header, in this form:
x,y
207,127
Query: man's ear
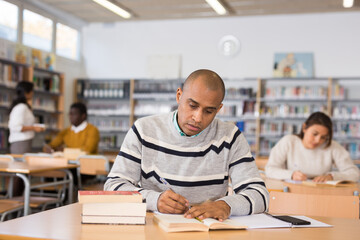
x,y
179,92
83,117
219,108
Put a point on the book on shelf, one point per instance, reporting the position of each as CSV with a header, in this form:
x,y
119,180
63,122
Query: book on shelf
x,y
21,53
125,209
112,219
177,223
109,196
49,61
36,58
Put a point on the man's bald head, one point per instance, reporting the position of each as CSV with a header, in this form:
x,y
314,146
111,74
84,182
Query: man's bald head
x,y
211,79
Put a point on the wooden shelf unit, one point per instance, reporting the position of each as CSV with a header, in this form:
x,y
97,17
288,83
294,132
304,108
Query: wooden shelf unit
x,y
312,94
11,73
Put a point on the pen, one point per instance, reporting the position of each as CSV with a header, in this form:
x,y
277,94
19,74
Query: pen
x,y
163,180
197,217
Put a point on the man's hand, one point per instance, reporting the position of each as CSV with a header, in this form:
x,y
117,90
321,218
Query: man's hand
x,y
298,176
323,178
218,210
170,202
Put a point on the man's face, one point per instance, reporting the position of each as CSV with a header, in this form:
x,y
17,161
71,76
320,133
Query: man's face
x,y
75,117
197,106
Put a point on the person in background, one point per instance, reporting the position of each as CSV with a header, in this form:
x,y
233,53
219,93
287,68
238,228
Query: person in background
x,y
80,134
311,154
21,126
186,158
22,120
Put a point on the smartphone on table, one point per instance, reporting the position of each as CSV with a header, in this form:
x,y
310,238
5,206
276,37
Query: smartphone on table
x,y
292,220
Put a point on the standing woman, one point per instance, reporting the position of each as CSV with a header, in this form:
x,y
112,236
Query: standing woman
x,y
311,154
21,120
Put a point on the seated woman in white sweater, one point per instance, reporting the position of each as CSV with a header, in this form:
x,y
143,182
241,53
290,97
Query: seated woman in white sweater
x,y
312,154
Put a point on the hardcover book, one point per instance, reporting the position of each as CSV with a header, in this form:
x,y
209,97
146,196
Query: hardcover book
x,y
109,196
124,209
100,219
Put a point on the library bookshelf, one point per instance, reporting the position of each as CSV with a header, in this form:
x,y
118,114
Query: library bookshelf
x,y
48,101
114,105
110,107
284,104
264,109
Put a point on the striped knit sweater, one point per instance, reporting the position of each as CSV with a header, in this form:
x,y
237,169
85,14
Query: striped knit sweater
x,y
199,168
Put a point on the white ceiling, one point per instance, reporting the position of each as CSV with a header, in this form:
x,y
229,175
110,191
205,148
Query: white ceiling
x,y
90,11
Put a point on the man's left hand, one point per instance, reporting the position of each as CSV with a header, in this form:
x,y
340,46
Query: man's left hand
x,y
218,210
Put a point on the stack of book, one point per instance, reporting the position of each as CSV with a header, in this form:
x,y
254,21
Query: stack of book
x,y
112,207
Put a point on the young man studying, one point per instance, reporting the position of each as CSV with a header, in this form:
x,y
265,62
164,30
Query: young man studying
x,y
181,162
81,134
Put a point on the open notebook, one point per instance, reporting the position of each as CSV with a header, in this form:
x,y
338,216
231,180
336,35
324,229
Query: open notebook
x,y
326,183
177,223
329,183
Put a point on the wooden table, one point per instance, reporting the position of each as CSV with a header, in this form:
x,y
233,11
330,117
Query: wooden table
x,y
64,223
22,169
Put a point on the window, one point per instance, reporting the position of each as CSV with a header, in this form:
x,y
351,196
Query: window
x,y
67,41
8,20
37,32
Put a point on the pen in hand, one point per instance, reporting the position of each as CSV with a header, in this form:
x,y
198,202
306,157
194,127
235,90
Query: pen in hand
x,y
163,180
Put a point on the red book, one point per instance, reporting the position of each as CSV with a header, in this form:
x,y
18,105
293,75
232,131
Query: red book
x,y
109,196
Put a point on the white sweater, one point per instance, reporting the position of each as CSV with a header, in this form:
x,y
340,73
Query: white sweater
x,y
199,168
20,116
290,155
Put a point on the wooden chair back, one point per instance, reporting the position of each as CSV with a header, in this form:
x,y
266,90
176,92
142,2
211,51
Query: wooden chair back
x,y
93,165
6,158
73,153
314,205
96,165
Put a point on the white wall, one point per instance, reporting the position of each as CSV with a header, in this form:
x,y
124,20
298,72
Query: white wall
x,y
120,50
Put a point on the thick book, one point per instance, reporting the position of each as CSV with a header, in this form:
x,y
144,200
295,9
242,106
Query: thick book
x,y
178,223
115,209
100,219
109,196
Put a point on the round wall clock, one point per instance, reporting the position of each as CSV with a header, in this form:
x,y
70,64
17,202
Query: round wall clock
x,y
229,45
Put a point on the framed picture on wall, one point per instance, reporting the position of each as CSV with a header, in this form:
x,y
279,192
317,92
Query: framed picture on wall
x,y
293,65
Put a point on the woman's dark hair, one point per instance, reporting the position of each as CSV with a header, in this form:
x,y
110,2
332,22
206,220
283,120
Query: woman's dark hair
x,y
318,118
22,88
81,107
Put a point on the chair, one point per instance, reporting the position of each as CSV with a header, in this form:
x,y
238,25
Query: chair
x,y
8,205
46,196
95,165
314,205
73,153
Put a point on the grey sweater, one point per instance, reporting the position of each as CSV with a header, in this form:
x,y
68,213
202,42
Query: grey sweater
x,y
199,168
